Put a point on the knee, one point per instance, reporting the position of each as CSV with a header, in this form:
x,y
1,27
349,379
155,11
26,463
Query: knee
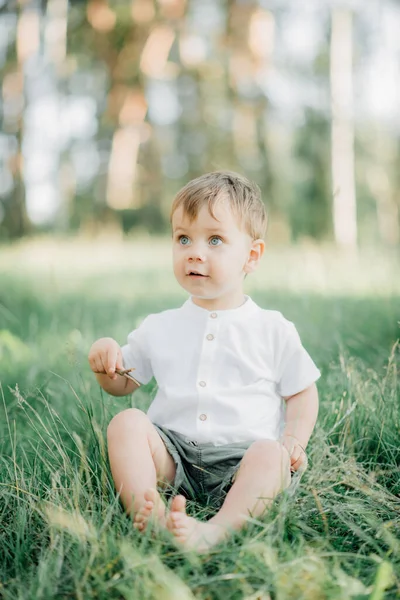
x,y
268,454
130,420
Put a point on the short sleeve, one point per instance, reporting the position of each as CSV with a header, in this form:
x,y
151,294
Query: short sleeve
x,y
294,368
135,354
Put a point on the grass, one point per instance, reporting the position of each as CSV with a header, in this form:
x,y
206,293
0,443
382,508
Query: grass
x,y
62,531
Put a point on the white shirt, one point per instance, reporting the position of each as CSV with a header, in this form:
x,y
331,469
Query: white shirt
x,y
221,374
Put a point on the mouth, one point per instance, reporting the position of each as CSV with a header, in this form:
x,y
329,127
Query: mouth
x,y
196,275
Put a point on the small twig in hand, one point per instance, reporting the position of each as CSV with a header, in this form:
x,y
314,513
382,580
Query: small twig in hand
x,y
126,373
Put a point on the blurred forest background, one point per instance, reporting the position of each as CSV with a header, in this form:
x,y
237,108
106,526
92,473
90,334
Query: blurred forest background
x,y
108,108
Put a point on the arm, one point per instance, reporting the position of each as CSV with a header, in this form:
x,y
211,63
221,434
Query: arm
x,y
301,416
104,357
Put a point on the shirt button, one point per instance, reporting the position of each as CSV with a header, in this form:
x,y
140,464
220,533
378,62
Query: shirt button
x,y
210,336
202,383
203,417
213,315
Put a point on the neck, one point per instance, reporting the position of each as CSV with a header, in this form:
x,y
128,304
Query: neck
x,y
220,303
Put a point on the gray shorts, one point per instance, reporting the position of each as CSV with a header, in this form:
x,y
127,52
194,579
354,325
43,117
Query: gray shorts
x,y
204,472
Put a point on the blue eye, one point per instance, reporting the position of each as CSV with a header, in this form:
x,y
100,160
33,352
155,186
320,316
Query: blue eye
x,y
184,240
215,241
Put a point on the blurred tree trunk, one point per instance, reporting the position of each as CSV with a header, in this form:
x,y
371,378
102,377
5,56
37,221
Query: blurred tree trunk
x,y
16,221
343,178
121,47
55,52
381,176
251,41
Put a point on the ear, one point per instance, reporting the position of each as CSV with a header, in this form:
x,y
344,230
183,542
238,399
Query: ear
x,y
256,251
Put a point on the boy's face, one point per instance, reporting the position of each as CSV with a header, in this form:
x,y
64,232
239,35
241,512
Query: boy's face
x,y
212,255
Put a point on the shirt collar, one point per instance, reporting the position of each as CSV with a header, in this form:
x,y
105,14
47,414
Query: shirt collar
x,y
241,311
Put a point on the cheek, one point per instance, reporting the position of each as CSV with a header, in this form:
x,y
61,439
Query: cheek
x,y
177,260
235,257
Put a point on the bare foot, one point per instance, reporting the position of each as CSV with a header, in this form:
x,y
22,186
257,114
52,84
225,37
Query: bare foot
x,y
191,533
152,508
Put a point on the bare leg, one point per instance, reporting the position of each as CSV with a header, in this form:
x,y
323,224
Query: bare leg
x,y
139,459
264,471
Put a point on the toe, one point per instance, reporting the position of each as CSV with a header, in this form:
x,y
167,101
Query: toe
x,y
151,495
178,504
144,512
154,499
140,518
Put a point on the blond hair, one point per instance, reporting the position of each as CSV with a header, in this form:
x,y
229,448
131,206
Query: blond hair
x,y
244,198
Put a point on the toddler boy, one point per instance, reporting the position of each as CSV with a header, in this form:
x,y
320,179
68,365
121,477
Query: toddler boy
x,y
236,401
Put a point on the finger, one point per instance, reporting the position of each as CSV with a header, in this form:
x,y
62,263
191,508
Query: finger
x,y
92,363
119,362
111,361
296,454
104,362
287,447
102,365
287,456
301,463
98,365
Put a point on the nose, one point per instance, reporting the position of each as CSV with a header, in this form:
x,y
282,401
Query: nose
x,y
196,254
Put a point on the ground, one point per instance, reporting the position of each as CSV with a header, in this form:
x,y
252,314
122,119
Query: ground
x,y
62,530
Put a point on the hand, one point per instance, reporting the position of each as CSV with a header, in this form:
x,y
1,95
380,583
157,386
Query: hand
x,y
298,456
105,356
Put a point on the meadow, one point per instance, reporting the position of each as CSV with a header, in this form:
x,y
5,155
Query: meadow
x,y
335,534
